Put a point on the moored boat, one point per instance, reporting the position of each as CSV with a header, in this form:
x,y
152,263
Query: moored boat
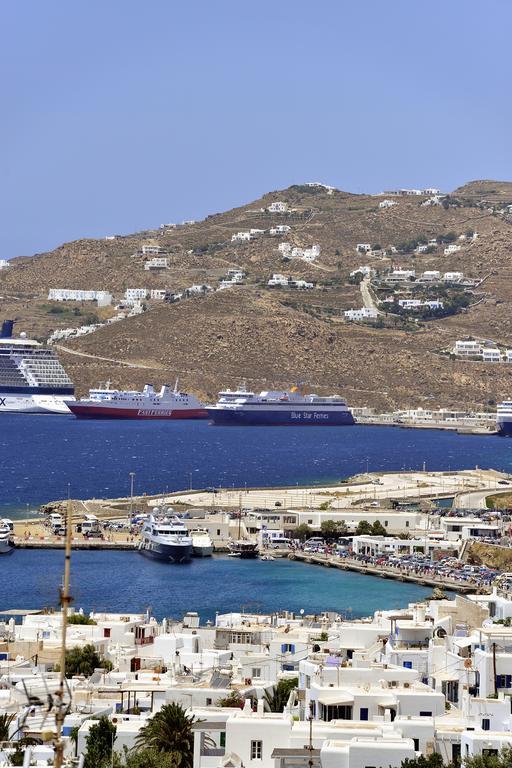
x,y
244,548
32,380
202,545
279,408
5,538
504,417
149,404
165,538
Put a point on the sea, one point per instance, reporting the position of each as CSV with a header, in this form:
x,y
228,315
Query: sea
x,y
42,456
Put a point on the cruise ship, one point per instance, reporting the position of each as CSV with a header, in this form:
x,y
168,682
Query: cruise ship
x,y
165,537
149,404
504,417
32,380
278,408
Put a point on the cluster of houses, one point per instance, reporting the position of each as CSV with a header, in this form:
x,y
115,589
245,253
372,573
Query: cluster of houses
x,y
399,275
253,234
286,281
375,691
306,254
4,263
485,351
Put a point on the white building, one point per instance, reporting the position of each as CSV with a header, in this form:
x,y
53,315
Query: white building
x,y
387,203
410,303
453,277
104,298
4,263
401,275
158,262
507,356
366,271
491,355
431,275
278,207
365,313
158,294
241,237
135,294
363,247
451,249
151,250
278,279
279,229
467,348
285,248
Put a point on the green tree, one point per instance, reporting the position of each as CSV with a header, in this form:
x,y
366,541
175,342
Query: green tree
x,y
432,761
364,528
501,760
277,697
100,743
84,660
233,699
5,726
79,618
303,531
378,529
170,731
148,758
329,528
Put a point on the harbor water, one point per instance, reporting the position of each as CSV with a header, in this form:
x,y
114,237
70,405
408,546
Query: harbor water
x,y
126,581
40,455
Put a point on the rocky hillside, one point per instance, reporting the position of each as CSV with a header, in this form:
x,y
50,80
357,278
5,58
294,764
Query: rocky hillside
x,y
275,337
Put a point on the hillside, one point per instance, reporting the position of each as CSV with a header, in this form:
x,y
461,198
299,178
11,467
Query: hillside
x,y
275,337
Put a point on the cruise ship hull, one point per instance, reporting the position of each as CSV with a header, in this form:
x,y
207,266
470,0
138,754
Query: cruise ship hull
x,y
97,411
504,427
279,417
170,553
11,403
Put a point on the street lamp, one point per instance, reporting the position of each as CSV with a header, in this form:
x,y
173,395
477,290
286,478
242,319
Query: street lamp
x,y
132,478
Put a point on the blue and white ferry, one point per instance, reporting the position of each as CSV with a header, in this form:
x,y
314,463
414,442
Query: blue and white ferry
x,y
279,408
32,380
504,417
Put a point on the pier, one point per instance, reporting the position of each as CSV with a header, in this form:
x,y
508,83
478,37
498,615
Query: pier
x,y
384,572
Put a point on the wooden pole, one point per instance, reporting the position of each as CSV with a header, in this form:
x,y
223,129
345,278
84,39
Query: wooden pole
x,y
65,599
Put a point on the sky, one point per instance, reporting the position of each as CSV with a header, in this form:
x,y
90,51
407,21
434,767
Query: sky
x,y
120,115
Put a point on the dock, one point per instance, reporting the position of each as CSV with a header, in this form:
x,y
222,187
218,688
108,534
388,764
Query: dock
x,y
384,572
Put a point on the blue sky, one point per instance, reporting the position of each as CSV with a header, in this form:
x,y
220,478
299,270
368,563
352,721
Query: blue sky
x,y
121,114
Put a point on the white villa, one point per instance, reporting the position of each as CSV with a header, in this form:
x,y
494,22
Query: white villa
x,y
103,298
158,262
365,313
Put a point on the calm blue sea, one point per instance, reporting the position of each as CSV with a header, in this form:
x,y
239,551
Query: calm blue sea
x,y
119,581
40,455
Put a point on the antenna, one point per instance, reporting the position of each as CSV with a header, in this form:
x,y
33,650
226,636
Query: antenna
x,y
65,599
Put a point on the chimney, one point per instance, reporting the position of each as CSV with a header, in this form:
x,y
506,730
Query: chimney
x,y
247,706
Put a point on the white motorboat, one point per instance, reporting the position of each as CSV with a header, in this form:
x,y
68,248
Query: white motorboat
x,y
202,545
5,538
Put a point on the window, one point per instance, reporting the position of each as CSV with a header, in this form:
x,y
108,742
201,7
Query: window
x,y
406,523
287,648
407,664
503,681
106,632
256,750
335,712
256,672
218,531
363,713
486,724
222,739
208,702
425,714
416,745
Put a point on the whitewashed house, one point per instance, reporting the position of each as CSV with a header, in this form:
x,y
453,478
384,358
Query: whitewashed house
x,y
430,276
363,247
158,262
241,237
365,313
278,207
151,250
158,294
135,294
491,355
401,275
4,263
464,348
453,277
387,203
279,229
366,271
278,279
452,248
103,298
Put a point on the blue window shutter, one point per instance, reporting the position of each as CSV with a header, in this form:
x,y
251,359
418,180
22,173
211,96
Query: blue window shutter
x,y
508,681
292,648
283,647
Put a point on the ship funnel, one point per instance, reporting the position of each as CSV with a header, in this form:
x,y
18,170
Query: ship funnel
x,y
6,332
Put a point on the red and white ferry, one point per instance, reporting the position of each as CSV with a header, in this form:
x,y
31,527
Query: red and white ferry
x,y
148,404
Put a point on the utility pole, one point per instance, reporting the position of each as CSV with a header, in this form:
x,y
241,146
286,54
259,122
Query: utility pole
x,y
132,478
65,600
494,669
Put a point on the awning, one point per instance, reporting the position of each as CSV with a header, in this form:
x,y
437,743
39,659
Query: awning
x,y
336,697
445,676
387,703
462,642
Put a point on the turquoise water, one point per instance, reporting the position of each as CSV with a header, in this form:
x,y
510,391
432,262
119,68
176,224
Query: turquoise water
x,y
40,455
126,581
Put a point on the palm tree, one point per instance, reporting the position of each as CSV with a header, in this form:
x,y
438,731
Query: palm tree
x,y
277,697
170,731
5,724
